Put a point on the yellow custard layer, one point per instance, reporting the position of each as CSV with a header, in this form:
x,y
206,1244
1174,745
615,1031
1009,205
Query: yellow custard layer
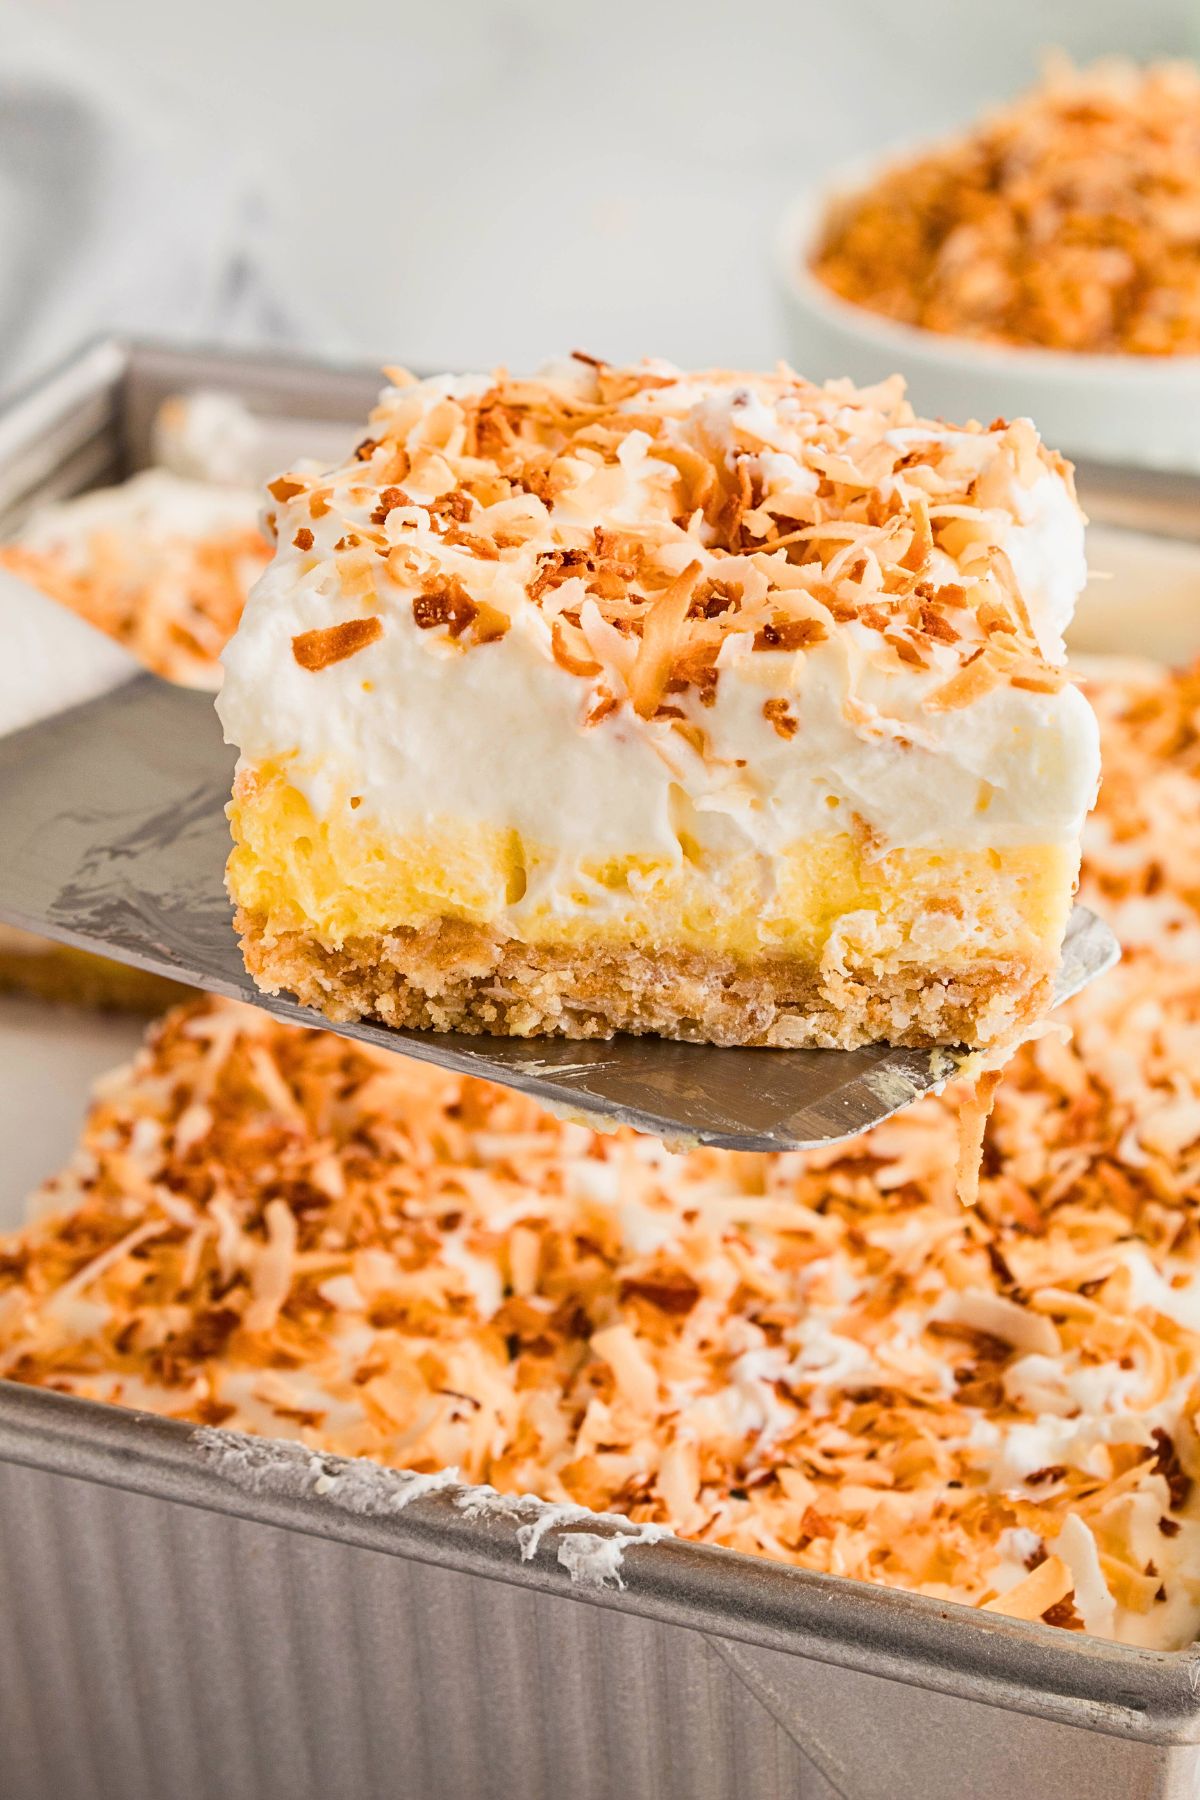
x,y
340,879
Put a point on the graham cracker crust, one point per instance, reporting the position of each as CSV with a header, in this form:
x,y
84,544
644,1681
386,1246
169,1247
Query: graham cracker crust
x,y
455,976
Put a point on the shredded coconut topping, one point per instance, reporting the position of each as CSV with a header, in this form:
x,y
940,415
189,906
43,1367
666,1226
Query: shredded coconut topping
x,y
1070,220
820,1358
653,518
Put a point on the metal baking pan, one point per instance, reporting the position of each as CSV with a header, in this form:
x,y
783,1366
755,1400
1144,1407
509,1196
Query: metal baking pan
x,y
196,1616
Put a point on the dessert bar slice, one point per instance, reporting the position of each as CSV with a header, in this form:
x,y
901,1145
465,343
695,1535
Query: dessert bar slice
x,y
722,706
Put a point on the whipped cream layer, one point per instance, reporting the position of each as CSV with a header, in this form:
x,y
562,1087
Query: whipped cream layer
x,y
890,670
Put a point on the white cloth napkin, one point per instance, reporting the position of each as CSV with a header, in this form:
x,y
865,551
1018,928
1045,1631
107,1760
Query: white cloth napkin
x,y
114,215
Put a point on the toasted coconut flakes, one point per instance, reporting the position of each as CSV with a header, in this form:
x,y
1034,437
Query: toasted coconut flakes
x,y
1064,1614
1068,220
790,634
570,650
918,552
444,603
1001,1318
97,1266
1043,1588
356,575
778,713
316,650
792,510
905,649
975,679
661,642
973,1115
604,704
692,734
273,1268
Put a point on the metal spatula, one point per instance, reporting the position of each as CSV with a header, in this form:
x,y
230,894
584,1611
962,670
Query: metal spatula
x,y
115,839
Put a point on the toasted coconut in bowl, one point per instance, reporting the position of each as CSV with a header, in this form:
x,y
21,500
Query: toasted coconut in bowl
x,y
1047,261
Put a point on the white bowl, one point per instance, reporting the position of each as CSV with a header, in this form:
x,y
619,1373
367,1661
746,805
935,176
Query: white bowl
x,y
1118,409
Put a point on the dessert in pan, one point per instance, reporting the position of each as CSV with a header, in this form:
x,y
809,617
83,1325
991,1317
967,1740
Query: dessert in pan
x,y
163,561
1065,220
819,1358
161,564
721,706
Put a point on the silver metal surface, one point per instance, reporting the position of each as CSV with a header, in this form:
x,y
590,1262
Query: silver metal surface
x,y
112,818
176,1632
178,1629
1146,500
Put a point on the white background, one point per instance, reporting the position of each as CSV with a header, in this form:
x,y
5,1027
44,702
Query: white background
x,y
463,183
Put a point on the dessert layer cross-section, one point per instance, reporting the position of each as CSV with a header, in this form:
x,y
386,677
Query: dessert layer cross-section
x,y
722,706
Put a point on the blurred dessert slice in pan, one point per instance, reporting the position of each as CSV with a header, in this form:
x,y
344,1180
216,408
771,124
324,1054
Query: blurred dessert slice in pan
x,y
162,562
721,706
161,565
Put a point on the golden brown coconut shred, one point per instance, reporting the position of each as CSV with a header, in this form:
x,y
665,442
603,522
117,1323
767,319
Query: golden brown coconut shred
x,y
1069,220
823,1359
